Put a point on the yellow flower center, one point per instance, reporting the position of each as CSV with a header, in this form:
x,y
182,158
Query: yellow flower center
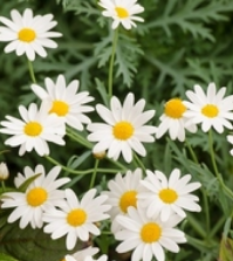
x,y
76,217
121,12
61,108
27,35
210,111
123,130
174,108
36,196
151,232
128,199
168,195
33,128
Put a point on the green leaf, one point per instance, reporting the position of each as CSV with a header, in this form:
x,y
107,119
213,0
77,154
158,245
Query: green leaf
x,y
226,249
27,182
33,244
5,257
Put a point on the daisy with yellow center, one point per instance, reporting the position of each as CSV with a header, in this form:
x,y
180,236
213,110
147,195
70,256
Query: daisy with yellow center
x,y
27,34
75,218
123,191
173,120
122,12
167,196
210,109
147,237
124,130
34,130
65,101
41,194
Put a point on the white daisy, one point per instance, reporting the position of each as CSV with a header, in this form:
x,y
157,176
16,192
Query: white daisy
x,y
123,194
28,34
82,254
41,195
101,258
166,196
34,130
76,218
65,102
173,120
211,109
122,12
125,130
147,237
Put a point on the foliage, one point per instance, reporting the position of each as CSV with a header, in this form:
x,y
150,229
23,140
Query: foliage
x,y
179,44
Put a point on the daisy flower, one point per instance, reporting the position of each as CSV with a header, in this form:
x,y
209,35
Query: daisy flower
x,y
41,195
211,109
124,130
173,120
76,218
27,34
123,193
122,12
166,196
82,254
148,237
65,102
34,130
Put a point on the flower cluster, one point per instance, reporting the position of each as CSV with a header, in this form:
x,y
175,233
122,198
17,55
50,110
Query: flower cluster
x,y
145,207
145,211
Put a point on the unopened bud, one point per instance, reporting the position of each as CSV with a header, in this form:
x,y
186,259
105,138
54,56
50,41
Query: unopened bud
x,y
4,172
99,155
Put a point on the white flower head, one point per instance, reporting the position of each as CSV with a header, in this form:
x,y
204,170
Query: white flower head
x,y
27,34
123,191
210,109
4,172
148,237
65,102
122,12
124,130
82,254
34,130
167,196
41,195
76,218
173,120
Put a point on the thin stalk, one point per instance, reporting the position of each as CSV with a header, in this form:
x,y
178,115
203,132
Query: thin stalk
x,y
194,157
228,192
93,177
111,64
75,136
139,162
3,186
31,71
80,172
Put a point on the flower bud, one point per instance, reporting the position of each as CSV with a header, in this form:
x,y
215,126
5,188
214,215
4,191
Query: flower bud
x,y
99,155
4,172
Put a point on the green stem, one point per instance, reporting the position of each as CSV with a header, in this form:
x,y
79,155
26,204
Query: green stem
x,y
194,157
110,72
227,191
77,137
3,186
139,162
80,172
94,174
31,71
